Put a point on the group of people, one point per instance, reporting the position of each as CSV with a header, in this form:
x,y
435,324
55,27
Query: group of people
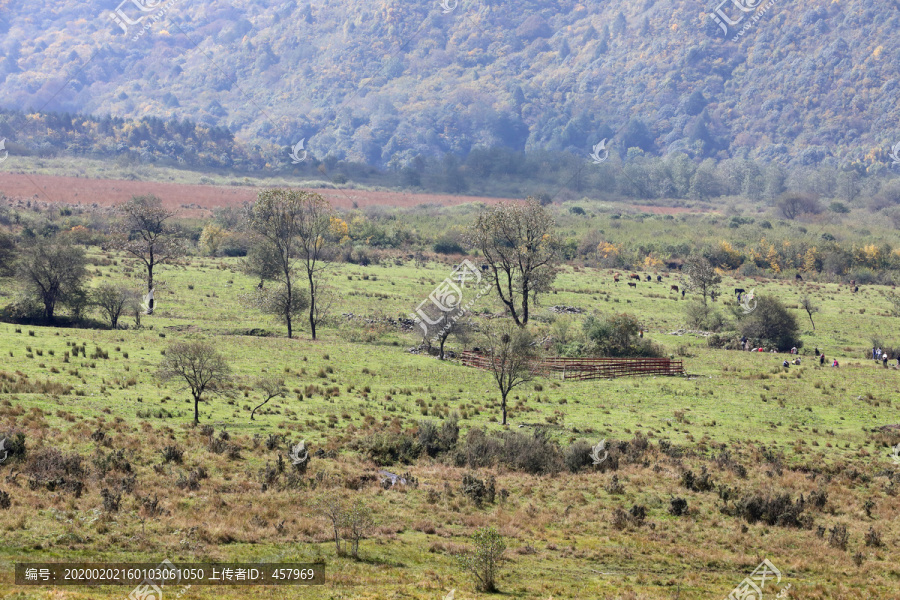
x,y
882,356
819,355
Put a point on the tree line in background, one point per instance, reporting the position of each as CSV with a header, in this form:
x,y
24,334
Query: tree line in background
x,y
633,172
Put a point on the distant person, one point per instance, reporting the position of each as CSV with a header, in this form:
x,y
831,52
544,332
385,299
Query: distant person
x,y
884,360
835,363
817,350
785,364
874,350
797,361
822,359
794,350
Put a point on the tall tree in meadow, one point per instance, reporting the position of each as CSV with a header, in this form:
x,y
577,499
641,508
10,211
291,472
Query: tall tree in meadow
x,y
294,226
701,276
202,369
511,351
517,244
146,232
53,271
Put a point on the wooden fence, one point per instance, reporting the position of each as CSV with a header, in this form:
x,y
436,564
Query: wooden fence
x,y
588,368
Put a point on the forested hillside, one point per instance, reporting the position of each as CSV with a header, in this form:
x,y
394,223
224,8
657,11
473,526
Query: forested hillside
x,y
386,82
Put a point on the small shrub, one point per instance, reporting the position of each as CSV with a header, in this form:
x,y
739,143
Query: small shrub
x,y
838,537
151,507
578,456
483,562
273,441
638,513
172,454
619,519
217,445
614,487
677,507
477,491
111,500
873,538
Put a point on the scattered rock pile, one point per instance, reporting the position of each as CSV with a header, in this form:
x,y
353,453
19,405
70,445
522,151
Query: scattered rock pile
x,y
566,310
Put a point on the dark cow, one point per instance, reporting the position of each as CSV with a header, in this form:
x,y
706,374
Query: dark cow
x,y
798,277
635,277
682,293
649,278
616,279
675,288
739,291
485,267
855,288
659,279
632,284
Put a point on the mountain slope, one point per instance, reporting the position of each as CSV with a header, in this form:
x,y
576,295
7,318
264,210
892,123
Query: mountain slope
x,y
384,82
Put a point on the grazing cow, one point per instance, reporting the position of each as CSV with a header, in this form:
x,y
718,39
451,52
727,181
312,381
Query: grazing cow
x,y
485,267
739,291
632,284
659,279
649,278
855,288
675,288
798,277
616,279
682,293
635,277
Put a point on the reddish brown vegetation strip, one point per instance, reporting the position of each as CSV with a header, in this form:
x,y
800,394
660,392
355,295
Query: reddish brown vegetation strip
x,y
193,198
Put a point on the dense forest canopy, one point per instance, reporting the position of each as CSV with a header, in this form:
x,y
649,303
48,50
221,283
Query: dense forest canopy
x,y
391,83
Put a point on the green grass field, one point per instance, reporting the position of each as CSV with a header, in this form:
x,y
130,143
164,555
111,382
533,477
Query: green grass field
x,y
800,430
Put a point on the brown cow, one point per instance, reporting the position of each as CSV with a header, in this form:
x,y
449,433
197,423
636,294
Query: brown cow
x,y
616,279
632,284
674,288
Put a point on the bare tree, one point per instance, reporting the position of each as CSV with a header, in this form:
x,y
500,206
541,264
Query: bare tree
x,y
794,204
295,227
510,352
437,326
147,235
701,277
331,507
517,244
807,304
271,387
315,241
200,366
114,301
357,521
53,271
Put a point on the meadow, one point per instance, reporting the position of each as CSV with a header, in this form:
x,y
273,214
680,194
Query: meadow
x,y
738,422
